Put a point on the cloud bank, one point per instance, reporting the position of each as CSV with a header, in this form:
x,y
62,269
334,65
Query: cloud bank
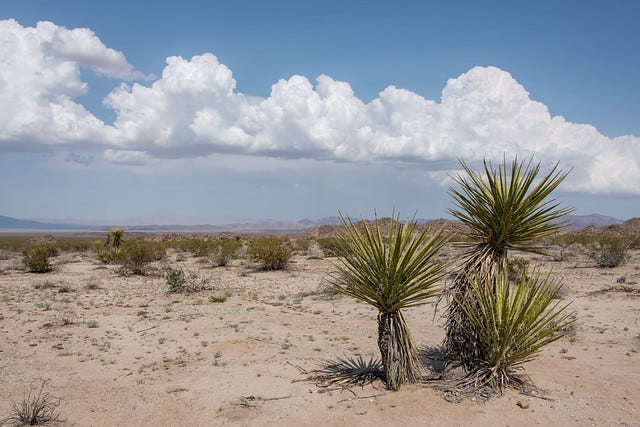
x,y
194,110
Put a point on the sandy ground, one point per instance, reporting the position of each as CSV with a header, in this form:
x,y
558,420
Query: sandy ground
x,y
121,351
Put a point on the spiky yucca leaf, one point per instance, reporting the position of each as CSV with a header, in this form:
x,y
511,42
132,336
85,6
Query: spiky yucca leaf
x,y
508,209
512,323
391,274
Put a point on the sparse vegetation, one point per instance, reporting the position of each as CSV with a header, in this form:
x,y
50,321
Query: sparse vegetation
x,y
272,253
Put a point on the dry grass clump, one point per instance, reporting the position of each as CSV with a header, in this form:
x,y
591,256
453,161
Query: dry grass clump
x,y
37,407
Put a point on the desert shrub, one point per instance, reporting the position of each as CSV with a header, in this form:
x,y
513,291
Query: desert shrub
x,y
135,257
273,253
14,243
225,250
564,241
36,257
302,244
105,254
176,281
179,281
199,247
36,408
75,244
331,246
608,251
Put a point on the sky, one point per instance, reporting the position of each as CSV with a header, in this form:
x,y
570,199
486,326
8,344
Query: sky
x,y
227,110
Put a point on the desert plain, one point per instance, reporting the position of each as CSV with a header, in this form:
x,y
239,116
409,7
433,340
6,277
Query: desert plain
x,y
118,350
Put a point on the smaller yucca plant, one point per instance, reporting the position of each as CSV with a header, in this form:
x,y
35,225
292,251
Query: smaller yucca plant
x,y
512,323
391,273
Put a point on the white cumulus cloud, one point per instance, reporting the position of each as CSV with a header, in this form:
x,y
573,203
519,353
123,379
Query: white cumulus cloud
x,y
40,78
194,110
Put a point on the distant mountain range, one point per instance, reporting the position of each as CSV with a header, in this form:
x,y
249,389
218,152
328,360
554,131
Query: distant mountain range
x,y
232,225
8,223
166,224
578,222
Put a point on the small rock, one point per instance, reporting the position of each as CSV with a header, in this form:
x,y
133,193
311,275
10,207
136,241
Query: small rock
x,y
523,405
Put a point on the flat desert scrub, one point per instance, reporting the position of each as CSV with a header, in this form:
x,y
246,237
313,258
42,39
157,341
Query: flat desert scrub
x,y
36,257
273,253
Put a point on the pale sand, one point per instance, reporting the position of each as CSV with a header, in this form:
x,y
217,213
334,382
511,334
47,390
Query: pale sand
x,y
179,360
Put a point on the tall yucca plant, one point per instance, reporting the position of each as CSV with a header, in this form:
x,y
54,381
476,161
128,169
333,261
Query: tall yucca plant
x,y
391,274
114,236
505,208
512,324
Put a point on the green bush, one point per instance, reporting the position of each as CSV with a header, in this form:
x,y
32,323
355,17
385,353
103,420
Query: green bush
x,y
331,246
180,282
176,281
302,244
225,250
105,254
75,244
36,257
135,256
609,251
273,253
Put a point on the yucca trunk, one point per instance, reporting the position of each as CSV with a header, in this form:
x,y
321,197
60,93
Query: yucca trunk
x,y
397,350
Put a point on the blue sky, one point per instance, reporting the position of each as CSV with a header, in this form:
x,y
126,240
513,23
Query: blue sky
x,y
290,109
